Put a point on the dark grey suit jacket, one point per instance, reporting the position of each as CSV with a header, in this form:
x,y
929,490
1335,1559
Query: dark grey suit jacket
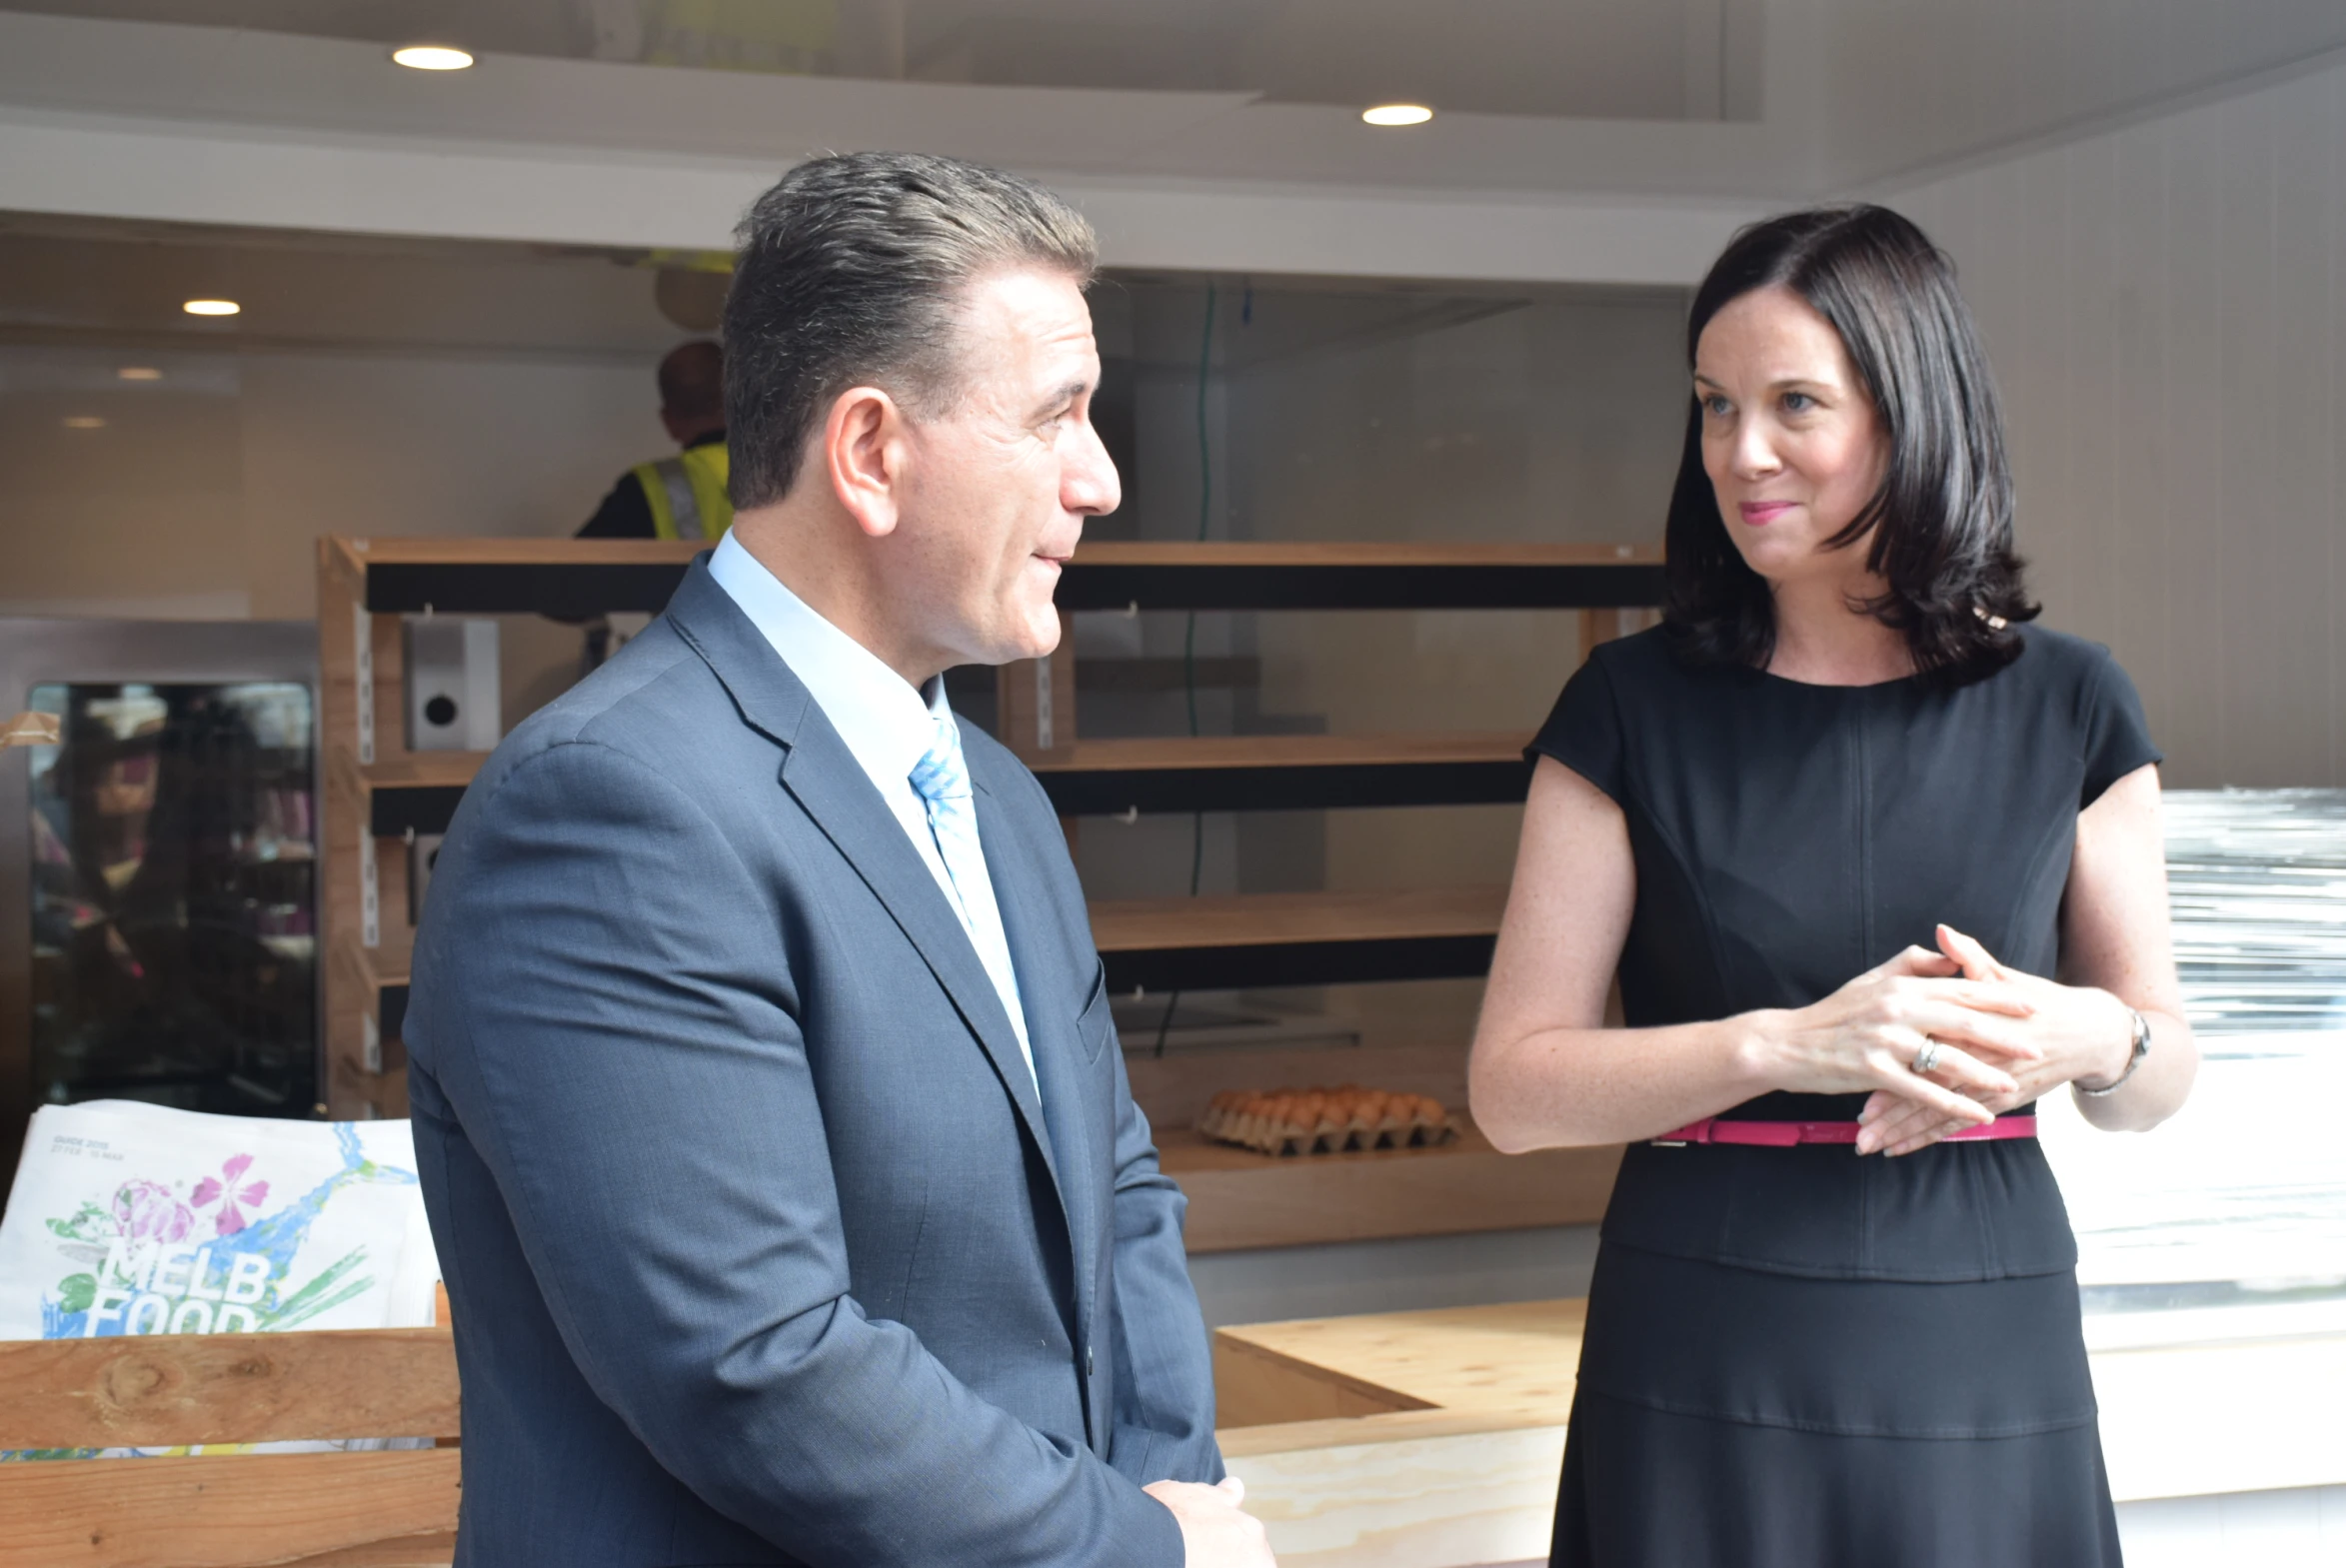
x,y
759,1247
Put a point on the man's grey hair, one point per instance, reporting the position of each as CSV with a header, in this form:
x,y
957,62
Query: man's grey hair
x,y
851,272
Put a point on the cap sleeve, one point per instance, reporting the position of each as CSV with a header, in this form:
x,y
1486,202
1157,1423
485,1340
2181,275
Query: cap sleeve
x,y
2117,737
1584,731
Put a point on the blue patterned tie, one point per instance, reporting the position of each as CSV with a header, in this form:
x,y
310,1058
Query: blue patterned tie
x,y
942,779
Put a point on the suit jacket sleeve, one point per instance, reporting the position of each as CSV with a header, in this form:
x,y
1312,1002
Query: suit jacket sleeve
x,y
1165,1369
616,1028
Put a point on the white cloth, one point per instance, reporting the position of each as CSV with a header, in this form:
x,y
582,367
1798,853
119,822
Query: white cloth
x,y
890,728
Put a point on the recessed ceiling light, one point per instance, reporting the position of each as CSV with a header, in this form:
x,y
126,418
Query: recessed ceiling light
x,y
431,57
139,373
1397,114
211,307
84,421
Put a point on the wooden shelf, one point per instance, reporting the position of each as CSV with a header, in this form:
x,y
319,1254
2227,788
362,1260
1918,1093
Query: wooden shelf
x,y
1315,938
1402,575
583,578
1241,1199
1285,772
412,791
419,790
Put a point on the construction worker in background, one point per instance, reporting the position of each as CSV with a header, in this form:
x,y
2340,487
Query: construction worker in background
x,y
682,496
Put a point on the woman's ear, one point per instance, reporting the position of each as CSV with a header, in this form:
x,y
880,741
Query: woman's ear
x,y
864,455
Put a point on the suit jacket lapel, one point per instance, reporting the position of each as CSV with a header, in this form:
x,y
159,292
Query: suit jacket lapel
x,y
1051,1026
831,786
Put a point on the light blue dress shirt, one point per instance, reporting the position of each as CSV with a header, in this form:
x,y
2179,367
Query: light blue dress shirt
x,y
888,726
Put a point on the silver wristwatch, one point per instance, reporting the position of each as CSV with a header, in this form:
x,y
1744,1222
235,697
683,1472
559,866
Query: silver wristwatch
x,y
2141,1049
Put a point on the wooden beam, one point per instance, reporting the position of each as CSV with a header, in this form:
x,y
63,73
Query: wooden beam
x,y
166,1390
329,1510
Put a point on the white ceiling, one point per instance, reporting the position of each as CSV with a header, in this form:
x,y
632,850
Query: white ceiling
x,y
1605,59
1598,141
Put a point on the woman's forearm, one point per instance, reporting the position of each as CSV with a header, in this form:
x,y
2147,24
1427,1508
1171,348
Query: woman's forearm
x,y
1569,1088
2158,1087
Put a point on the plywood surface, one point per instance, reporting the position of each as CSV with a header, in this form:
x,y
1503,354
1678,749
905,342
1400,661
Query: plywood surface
x,y
1263,920
1517,1362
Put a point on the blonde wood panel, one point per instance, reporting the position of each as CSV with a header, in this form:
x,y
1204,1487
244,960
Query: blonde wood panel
x,y
1257,1387
1241,1199
1285,751
164,1391
1517,1359
329,1510
1250,919
1433,1497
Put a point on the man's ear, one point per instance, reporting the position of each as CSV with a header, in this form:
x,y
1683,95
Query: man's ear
x,y
864,455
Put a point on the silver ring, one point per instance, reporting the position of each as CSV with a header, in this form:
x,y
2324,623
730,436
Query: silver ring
x,y
1928,1057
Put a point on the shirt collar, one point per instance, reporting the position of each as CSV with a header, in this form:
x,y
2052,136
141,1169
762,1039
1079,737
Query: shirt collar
x,y
886,724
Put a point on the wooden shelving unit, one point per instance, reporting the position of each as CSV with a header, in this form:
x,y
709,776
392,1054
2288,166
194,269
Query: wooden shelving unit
x,y
382,796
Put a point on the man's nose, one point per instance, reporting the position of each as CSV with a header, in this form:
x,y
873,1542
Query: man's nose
x,y
1089,484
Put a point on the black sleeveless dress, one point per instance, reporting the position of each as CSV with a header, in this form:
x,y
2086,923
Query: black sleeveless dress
x,y
1800,1358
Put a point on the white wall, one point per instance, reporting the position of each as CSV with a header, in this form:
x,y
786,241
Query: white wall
x,y
203,493
2165,305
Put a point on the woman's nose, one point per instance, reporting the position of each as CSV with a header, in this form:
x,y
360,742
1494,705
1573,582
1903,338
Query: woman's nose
x,y
1754,456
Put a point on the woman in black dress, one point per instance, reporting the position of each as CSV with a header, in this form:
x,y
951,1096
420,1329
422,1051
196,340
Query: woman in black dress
x,y
1833,824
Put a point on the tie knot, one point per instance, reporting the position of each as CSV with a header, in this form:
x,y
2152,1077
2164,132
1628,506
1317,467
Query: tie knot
x,y
941,774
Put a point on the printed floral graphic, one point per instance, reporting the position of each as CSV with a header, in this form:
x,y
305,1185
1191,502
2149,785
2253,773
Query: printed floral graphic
x,y
230,1218
146,1211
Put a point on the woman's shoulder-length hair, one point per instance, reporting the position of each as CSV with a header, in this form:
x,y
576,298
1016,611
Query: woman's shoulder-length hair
x,y
1942,518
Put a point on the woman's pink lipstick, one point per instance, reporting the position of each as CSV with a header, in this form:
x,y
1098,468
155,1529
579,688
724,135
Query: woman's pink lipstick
x,y
1760,513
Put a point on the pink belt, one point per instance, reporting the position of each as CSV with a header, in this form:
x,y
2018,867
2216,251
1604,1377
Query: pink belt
x,y
1785,1134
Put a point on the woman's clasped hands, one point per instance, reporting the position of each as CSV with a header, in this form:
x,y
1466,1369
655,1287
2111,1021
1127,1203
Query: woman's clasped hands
x,y
1920,1009
1945,1041
2072,1033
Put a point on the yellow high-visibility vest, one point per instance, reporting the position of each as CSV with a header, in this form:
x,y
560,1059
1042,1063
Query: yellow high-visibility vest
x,y
687,492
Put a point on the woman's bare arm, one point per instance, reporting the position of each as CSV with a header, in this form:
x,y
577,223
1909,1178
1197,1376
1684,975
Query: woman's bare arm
x,y
2116,934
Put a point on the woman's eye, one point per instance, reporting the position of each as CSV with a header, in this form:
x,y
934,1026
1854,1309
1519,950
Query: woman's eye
x,y
1715,406
1798,403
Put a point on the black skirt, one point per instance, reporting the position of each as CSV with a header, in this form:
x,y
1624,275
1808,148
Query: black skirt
x,y
1731,1417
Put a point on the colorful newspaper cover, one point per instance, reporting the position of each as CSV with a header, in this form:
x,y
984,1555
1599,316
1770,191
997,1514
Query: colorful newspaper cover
x,y
128,1219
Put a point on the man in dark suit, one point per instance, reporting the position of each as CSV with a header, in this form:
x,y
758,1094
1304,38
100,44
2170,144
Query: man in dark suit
x,y
775,1140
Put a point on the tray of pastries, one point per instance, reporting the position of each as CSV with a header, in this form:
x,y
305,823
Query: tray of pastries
x,y
1325,1121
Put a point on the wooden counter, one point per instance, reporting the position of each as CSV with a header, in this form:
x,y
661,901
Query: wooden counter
x,y
1239,1198
1433,1439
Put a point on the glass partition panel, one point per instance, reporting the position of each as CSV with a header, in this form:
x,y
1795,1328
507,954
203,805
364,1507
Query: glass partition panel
x,y
2229,1221
174,898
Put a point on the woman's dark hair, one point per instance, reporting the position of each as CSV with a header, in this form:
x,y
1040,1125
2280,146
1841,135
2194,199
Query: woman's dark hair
x,y
1943,519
